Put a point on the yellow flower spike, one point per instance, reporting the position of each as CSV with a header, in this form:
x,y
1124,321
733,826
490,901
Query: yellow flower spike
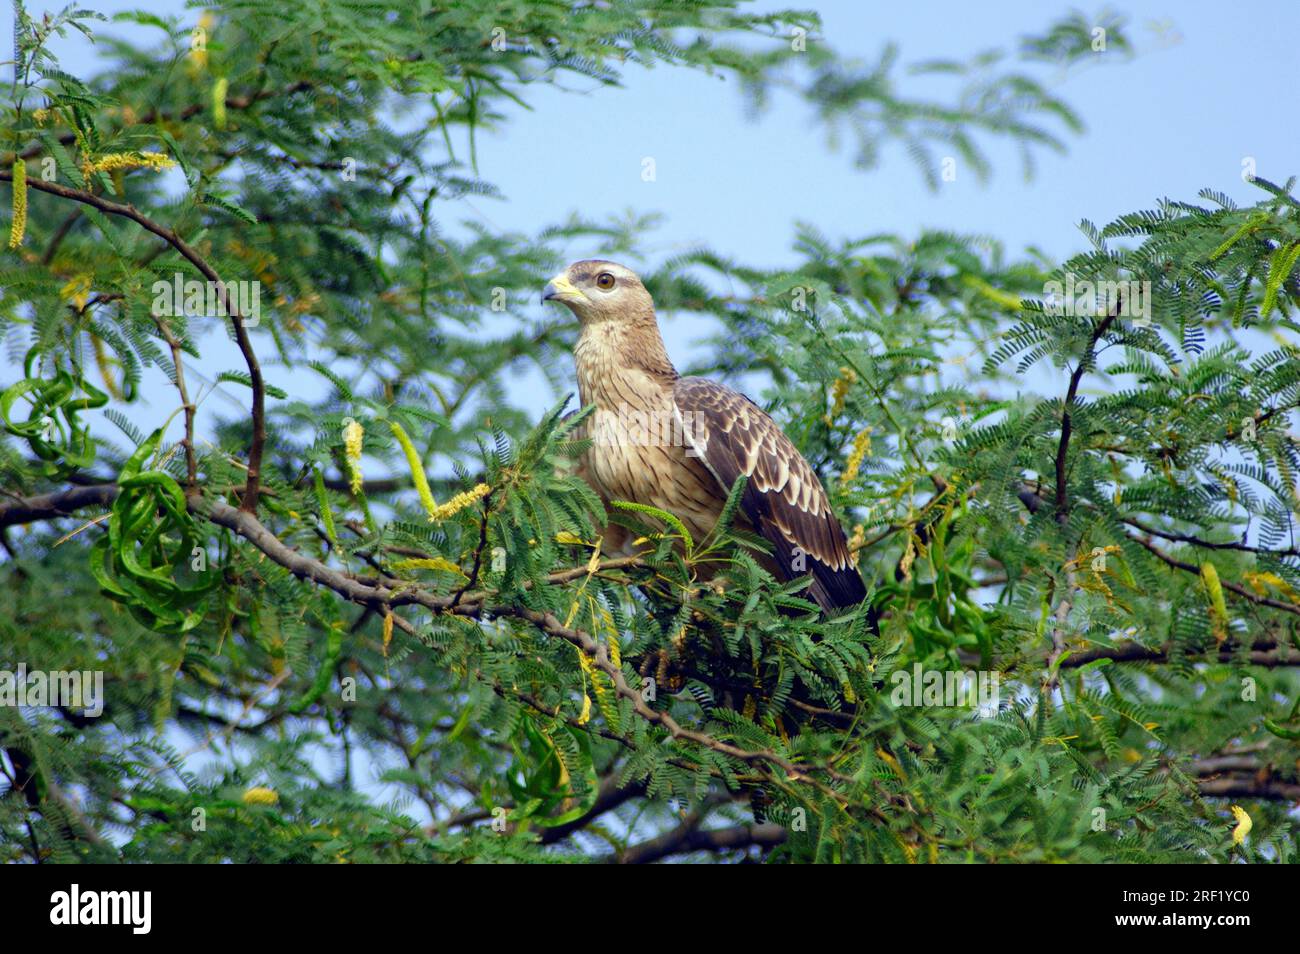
x,y
19,226
435,510
115,162
261,795
1218,608
1260,582
353,438
840,389
219,102
1244,824
388,631
861,448
416,467
459,502
585,716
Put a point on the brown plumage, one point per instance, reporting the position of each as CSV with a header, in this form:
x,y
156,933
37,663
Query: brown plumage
x,y
680,443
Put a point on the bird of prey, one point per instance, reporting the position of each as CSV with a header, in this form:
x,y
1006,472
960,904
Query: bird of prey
x,y
679,443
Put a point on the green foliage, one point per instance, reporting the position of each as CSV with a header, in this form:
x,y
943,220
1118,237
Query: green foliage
x,y
62,445
311,663
150,541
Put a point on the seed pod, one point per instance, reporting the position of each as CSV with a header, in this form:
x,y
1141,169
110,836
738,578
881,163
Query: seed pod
x,y
1218,608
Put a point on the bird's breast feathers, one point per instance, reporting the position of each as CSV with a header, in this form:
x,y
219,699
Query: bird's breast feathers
x,y
635,456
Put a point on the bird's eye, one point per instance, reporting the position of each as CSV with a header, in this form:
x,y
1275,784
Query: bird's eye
x,y
604,281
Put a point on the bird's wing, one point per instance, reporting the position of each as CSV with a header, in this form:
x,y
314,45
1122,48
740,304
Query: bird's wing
x,y
783,498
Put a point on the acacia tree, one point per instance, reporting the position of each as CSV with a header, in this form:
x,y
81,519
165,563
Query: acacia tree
x,y
286,600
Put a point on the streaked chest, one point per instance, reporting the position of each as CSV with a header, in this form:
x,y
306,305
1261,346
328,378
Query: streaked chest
x,y
638,450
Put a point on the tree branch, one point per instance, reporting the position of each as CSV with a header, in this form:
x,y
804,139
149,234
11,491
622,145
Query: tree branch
x,y
391,593
1227,585
1208,544
62,503
191,465
248,502
1061,612
1249,787
1263,653
1071,394
687,837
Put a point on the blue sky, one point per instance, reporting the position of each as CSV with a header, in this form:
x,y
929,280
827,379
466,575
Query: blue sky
x,y
1169,121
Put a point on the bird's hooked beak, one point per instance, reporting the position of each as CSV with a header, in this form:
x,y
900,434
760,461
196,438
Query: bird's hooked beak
x,y
561,289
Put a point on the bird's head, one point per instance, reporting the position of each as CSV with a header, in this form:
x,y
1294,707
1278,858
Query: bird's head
x,y
596,290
